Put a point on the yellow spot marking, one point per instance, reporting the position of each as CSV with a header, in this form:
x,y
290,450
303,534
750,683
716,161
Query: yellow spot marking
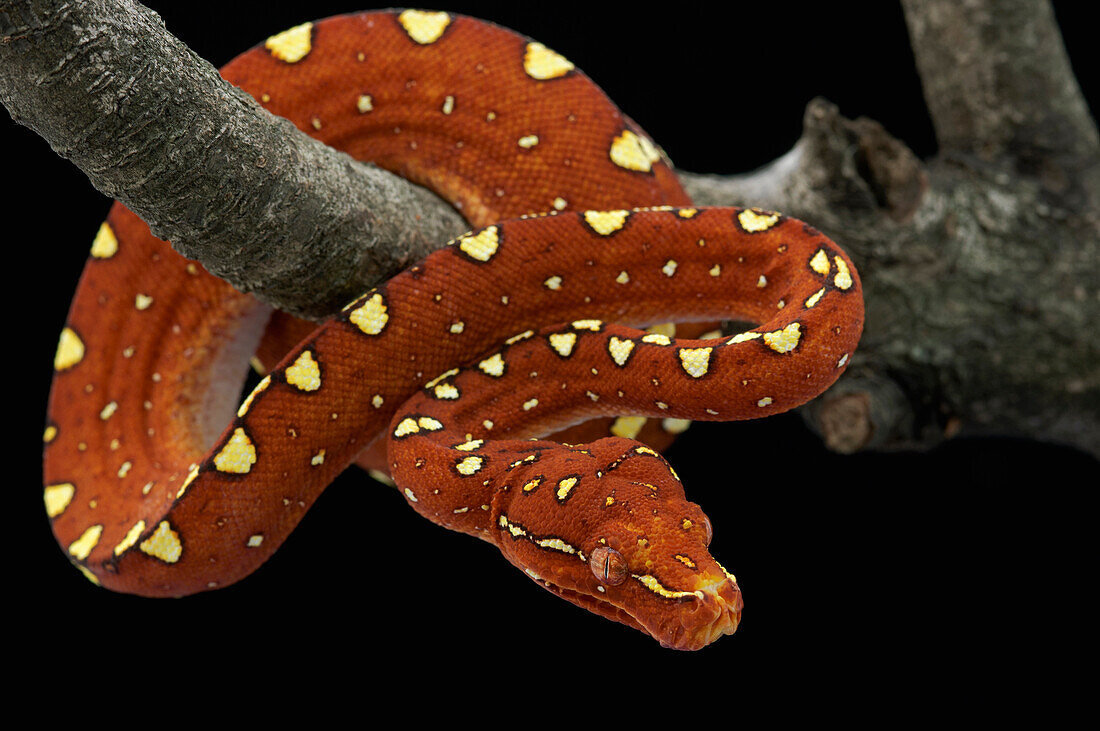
x,y
247,403
670,267
405,427
560,203
50,433
687,212
541,63
623,277
481,246
448,104
553,283
469,445
108,411
620,349
675,426
684,560
365,103
593,325
843,359
563,343
58,497
555,543
755,220
409,494
606,223
318,459
163,544
695,361
457,327
686,524
764,401
564,486
70,350
124,469
370,317
530,404
143,302
292,45
627,427
427,423
105,244
423,26
81,547
785,340
633,152
762,282
304,374
446,391
131,537
532,484
521,336
377,401
528,141
441,377
820,262
238,455
469,465
743,337
492,366
656,339
187,483
655,586
716,270
843,278
88,574
814,298
255,541
488,424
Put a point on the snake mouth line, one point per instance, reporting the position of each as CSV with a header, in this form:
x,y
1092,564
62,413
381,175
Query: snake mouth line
x,y
676,636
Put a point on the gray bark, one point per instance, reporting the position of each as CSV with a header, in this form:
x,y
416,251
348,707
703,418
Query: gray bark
x,y
981,265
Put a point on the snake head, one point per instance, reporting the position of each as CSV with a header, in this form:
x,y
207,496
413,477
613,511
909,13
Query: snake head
x,y
624,542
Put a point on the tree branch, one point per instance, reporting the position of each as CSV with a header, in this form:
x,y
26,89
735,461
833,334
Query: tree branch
x,y
267,208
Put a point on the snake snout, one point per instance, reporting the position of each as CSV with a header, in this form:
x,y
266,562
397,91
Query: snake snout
x,y
716,611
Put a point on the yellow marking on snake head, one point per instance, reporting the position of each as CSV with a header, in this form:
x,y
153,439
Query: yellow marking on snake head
x,y
105,244
247,403
371,316
695,361
318,459
820,262
670,267
142,302
406,427
365,103
70,350
528,141
187,482
754,220
606,223
81,547
687,212
656,587
57,498
743,337
623,278
684,560
427,423
541,63
446,391
656,339
814,298
564,486
785,340
627,427
482,245
593,325
304,374
423,26
255,541
163,544
238,455
469,445
633,152
131,537
766,401
530,404
293,44
108,411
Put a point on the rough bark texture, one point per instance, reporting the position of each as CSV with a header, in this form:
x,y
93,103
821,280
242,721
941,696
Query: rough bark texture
x,y
980,265
269,209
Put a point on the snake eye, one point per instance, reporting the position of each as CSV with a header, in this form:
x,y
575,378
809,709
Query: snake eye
x,y
608,565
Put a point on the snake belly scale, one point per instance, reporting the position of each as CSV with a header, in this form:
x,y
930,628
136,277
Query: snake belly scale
x,y
454,370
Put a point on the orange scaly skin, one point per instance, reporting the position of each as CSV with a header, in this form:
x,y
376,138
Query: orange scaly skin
x,y
151,361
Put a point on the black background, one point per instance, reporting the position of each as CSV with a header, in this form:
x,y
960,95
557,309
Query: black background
x,y
874,584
